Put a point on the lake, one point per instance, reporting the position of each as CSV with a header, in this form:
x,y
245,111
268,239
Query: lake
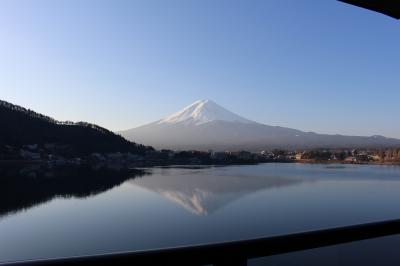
x,y
174,206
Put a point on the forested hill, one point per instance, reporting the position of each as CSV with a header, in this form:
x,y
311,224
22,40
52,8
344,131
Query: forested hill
x,y
20,126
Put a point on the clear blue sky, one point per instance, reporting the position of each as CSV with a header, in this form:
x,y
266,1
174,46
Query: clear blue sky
x,y
318,66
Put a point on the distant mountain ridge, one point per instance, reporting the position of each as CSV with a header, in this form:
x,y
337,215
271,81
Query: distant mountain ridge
x,y
205,125
21,126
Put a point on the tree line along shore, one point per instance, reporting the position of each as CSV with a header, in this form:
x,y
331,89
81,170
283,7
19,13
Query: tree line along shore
x,y
60,155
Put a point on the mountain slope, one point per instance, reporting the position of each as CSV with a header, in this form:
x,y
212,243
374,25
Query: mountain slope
x,y
205,125
20,126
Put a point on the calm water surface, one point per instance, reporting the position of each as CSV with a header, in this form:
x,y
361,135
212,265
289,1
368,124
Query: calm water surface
x,y
181,206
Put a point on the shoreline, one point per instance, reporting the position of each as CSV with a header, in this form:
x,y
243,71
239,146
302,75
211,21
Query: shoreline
x,y
180,163
344,162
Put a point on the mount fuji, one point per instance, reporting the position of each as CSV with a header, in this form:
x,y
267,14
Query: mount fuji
x,y
205,125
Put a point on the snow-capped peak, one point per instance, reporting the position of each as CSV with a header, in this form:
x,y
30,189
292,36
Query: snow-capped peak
x,y
201,112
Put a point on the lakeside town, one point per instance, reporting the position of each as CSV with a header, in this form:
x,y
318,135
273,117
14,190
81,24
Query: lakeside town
x,y
58,155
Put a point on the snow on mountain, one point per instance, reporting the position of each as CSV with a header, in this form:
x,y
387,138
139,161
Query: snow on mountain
x,y
201,112
205,125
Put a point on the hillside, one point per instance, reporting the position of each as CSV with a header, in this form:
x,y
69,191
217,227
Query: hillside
x,y
20,126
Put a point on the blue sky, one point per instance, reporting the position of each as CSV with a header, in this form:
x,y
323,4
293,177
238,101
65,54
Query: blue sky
x,y
320,66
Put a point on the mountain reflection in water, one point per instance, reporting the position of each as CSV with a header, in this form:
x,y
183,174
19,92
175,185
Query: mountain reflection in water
x,y
225,203
204,194
24,186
